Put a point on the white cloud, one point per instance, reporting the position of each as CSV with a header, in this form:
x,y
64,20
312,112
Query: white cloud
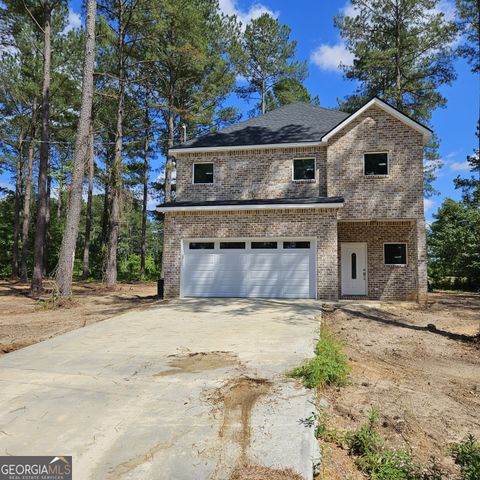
x,y
427,204
230,7
331,57
74,21
460,166
349,10
447,8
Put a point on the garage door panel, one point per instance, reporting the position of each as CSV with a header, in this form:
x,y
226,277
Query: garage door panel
x,y
277,273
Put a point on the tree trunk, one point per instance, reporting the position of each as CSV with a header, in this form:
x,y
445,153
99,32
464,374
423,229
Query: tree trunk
x,y
60,191
70,234
47,220
88,216
18,202
116,167
41,222
168,163
398,72
27,201
145,188
264,107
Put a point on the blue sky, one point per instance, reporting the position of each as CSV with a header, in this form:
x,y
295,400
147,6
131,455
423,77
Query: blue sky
x,y
320,45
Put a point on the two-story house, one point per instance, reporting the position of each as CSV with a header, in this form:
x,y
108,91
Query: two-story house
x,y
302,202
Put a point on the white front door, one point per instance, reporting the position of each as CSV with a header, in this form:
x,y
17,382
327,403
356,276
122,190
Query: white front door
x,y
354,268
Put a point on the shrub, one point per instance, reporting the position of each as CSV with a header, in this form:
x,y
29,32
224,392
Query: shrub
x,y
467,455
329,366
366,440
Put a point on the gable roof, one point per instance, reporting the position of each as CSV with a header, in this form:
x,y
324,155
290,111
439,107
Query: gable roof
x,y
425,131
295,124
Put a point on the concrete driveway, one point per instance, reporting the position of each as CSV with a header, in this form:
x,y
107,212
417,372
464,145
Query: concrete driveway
x,y
185,390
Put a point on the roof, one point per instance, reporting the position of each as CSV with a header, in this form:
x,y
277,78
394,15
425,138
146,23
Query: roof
x,y
306,202
297,122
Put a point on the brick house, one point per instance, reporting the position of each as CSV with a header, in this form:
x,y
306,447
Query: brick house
x,y
302,202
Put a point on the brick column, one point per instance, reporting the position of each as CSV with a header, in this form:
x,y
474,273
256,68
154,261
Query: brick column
x,y
327,261
421,261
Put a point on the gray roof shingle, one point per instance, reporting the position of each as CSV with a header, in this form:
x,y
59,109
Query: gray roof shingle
x,y
294,123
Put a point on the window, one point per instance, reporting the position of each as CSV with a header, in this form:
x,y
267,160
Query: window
x,y
231,245
304,169
376,164
354,266
264,245
296,244
395,253
201,246
203,173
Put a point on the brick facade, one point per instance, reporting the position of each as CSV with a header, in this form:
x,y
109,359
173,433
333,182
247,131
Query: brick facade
x,y
370,201
398,195
321,224
385,282
251,174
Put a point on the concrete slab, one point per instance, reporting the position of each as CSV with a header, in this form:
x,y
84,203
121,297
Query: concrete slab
x,y
153,394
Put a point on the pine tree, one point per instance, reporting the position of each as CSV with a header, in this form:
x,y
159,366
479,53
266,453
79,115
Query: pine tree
x,y
264,55
403,54
468,13
67,252
289,90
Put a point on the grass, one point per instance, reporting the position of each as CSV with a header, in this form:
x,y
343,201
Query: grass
x,y
329,366
378,462
467,455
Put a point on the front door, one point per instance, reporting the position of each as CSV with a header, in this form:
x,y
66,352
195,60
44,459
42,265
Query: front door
x,y
354,268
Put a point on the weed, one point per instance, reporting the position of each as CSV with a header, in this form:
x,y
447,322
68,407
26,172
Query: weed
x,y
467,455
329,366
327,434
366,440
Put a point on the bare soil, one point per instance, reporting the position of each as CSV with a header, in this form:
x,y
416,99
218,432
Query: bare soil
x,y
420,367
258,472
25,320
236,398
199,362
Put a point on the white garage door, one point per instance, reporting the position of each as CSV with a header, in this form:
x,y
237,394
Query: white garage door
x,y
279,268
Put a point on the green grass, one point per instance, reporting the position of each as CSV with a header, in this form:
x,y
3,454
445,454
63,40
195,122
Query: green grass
x,y
467,455
329,366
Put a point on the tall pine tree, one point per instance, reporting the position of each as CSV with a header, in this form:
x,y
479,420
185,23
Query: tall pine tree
x,y
403,54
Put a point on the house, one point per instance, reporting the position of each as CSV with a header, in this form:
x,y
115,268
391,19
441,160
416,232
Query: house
x,y
302,202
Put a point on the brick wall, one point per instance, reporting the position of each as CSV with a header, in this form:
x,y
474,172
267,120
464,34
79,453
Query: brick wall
x,y
251,174
385,282
400,194
256,223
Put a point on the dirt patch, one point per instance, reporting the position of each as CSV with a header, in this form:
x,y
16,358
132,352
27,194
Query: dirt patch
x,y
199,362
25,320
424,381
237,398
258,472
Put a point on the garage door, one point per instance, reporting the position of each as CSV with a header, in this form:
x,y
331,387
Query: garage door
x,y
279,268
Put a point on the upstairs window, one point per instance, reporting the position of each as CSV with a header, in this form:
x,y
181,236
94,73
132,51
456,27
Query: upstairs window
x,y
395,253
304,169
203,173
375,164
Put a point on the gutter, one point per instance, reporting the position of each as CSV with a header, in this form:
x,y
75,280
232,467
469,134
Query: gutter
x,y
245,147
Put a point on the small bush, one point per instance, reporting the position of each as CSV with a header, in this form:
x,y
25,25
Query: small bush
x,y
329,366
366,440
381,463
467,455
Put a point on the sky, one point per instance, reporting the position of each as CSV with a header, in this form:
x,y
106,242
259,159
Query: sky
x,y
319,43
